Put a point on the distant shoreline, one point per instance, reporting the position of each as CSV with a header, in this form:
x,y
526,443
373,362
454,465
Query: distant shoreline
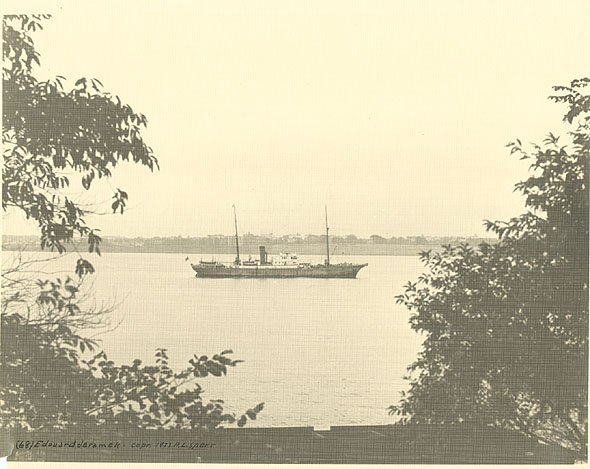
x,y
188,246
403,251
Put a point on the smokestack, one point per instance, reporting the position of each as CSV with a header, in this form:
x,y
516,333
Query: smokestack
x,y
262,255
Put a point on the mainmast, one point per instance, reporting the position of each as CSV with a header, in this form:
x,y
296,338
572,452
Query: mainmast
x,y
237,261
327,239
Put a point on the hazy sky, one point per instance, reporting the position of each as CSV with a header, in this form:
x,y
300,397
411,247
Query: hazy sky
x,y
395,114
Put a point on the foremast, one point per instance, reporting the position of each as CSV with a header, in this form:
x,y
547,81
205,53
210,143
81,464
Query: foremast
x,y
237,261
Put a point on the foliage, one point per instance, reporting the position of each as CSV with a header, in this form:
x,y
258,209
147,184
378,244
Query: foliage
x,y
48,381
31,288
506,324
47,384
51,134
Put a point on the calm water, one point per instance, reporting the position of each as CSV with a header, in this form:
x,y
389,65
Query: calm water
x,y
318,352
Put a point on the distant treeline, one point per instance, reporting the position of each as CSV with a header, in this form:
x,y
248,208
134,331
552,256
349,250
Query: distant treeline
x,y
249,243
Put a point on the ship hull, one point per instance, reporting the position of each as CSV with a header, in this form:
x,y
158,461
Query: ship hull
x,y
316,271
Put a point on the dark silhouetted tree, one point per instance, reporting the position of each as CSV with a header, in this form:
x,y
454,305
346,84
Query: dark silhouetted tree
x,y
49,135
506,324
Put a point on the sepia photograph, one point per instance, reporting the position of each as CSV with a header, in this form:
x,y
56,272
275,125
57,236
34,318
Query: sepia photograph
x,y
273,232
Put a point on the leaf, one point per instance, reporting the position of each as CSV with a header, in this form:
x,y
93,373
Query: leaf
x,y
83,267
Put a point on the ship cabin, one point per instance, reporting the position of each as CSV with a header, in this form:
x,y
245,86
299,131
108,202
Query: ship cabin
x,y
286,259
250,262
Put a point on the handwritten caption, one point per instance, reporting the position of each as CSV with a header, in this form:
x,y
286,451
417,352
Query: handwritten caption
x,y
92,444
